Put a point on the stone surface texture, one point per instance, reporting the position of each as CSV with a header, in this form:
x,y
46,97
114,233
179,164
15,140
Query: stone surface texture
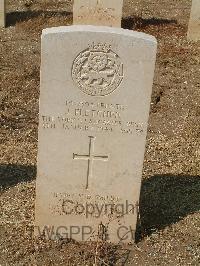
x,y
194,23
2,13
98,12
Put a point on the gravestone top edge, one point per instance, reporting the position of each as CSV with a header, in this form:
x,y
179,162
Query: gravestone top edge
x,y
99,29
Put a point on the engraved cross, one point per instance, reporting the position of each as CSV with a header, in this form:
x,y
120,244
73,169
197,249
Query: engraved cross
x,y
90,158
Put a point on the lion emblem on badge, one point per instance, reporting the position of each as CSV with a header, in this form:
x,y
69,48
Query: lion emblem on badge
x,y
97,71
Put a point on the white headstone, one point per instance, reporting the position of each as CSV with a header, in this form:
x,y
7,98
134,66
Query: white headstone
x,y
194,23
2,13
98,12
96,85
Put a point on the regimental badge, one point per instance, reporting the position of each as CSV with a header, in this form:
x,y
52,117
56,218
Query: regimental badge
x,y
97,71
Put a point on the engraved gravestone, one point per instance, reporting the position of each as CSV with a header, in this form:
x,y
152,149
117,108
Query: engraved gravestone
x,y
194,23
2,13
98,12
96,85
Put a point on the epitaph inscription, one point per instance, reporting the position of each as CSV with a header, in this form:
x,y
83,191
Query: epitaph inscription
x,y
98,71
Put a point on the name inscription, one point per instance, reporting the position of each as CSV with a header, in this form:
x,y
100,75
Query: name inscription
x,y
94,117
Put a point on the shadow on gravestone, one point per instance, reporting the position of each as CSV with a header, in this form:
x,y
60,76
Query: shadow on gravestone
x,y
165,200
13,174
132,21
20,16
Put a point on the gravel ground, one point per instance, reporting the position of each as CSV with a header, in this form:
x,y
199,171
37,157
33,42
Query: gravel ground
x,y
169,228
